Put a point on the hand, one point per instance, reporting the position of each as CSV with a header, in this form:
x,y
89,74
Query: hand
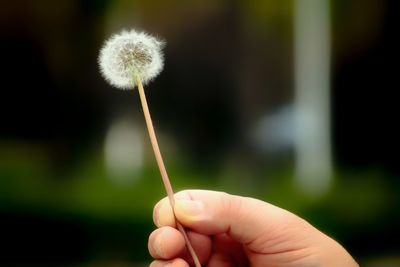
x,y
228,230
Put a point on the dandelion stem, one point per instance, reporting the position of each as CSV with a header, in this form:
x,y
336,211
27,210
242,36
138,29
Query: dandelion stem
x,y
161,166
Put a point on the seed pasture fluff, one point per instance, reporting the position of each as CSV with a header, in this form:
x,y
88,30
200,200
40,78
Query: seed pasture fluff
x,y
129,54
128,60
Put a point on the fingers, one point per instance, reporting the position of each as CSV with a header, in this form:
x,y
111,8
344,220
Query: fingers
x,y
245,231
163,215
167,243
210,213
171,263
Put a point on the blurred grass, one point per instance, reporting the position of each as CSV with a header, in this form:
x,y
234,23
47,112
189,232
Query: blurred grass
x,y
117,218
26,180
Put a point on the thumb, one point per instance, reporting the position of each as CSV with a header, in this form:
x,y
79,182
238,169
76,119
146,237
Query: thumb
x,y
243,219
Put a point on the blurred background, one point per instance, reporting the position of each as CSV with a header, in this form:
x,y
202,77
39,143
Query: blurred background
x,y
291,102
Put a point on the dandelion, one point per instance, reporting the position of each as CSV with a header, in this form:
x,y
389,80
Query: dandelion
x,y
130,54
131,59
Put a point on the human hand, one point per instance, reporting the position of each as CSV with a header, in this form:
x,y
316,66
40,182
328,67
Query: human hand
x,y
228,230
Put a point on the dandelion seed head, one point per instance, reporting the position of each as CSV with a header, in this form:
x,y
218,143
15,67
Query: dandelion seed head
x,y
129,54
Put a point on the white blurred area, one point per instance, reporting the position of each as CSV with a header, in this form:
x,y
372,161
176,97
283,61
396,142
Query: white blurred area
x,y
313,163
303,127
274,133
123,151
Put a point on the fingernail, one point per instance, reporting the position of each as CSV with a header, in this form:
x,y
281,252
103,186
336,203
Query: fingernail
x,y
190,207
163,214
158,245
156,215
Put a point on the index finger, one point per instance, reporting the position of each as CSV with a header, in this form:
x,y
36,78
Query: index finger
x,y
163,214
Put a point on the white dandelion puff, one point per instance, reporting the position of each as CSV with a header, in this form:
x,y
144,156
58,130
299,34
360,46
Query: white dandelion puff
x,y
129,54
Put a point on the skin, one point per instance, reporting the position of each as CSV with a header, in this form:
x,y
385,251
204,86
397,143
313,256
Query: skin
x,y
227,230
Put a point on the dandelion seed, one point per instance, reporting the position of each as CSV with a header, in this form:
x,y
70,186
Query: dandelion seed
x,y
132,59
129,54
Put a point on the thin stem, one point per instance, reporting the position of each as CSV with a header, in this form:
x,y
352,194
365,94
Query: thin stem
x,y
161,166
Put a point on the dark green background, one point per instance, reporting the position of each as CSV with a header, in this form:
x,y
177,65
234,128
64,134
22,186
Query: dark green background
x,y
58,205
